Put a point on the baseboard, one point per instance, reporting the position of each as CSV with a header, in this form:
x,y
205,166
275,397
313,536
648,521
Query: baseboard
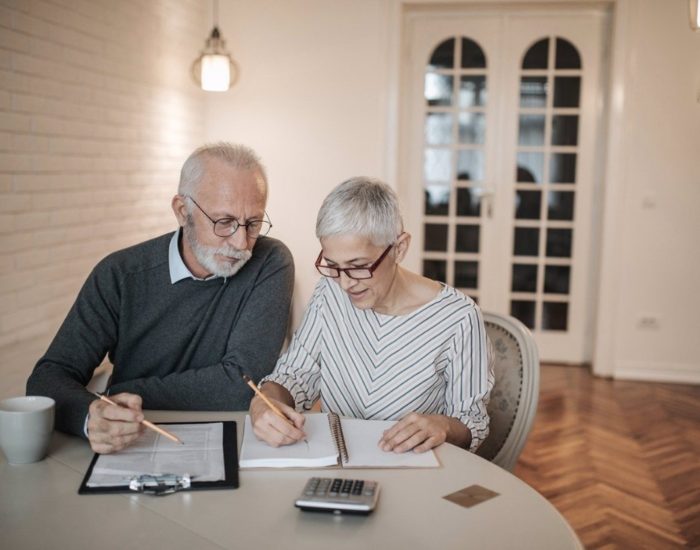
x,y
676,373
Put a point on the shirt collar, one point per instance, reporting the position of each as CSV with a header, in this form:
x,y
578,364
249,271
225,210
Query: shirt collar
x,y
178,269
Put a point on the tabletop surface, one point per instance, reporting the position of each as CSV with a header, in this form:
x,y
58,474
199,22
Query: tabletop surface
x,y
40,508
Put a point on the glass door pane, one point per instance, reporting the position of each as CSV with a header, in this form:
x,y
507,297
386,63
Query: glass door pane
x,y
545,178
455,99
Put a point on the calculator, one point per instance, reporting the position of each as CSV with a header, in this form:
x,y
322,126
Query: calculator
x,y
340,496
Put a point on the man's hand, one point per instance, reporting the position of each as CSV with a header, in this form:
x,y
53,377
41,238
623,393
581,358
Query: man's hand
x,y
270,428
417,432
112,428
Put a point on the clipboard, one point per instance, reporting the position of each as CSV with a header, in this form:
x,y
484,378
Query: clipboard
x,y
230,481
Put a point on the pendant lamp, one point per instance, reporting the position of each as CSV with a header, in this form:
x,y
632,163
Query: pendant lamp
x,y
215,70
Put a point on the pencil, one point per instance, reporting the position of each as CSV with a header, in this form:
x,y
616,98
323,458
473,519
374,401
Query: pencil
x,y
146,423
269,403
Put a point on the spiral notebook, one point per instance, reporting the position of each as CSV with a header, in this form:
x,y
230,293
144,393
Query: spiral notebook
x,y
332,442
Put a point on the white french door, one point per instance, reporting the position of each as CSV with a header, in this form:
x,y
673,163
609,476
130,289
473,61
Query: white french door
x,y
500,116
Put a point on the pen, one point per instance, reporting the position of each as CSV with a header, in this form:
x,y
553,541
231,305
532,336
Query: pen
x,y
145,422
261,395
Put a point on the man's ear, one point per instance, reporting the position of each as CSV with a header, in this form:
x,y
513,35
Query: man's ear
x,y
402,244
180,209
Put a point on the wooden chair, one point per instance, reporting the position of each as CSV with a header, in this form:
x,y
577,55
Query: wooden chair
x,y
513,402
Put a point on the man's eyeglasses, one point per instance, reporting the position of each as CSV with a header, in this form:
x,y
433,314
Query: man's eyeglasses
x,y
352,272
225,227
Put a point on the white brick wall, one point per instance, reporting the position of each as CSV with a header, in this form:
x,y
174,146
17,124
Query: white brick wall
x,y
97,114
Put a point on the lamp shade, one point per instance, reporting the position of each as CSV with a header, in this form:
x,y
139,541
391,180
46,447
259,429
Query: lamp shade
x,y
215,70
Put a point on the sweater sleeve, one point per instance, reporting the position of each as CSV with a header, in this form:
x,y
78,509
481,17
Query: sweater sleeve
x,y
299,368
87,334
470,377
253,347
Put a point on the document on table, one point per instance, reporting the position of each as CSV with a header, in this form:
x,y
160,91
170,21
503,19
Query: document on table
x,y
202,456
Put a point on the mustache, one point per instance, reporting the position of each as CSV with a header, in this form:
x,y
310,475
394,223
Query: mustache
x,y
232,252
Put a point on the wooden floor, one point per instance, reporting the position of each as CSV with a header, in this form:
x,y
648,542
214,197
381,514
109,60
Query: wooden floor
x,y
620,460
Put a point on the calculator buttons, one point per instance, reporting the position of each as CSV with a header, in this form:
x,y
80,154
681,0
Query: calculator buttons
x,y
370,488
311,486
346,488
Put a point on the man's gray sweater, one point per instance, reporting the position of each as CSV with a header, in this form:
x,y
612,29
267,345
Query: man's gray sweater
x,y
179,346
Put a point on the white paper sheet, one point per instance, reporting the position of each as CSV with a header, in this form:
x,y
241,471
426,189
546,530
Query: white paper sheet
x,y
320,451
362,438
202,456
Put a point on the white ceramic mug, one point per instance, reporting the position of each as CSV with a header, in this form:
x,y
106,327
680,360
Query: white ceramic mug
x,y
26,425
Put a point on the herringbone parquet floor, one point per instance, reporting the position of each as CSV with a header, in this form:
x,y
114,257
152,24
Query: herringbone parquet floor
x,y
620,460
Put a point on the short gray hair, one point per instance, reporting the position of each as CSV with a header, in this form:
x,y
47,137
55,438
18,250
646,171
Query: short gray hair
x,y
361,206
236,155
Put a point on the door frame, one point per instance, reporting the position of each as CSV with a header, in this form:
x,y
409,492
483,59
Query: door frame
x,y
603,279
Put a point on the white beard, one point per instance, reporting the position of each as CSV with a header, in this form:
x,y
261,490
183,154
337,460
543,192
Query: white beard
x,y
206,255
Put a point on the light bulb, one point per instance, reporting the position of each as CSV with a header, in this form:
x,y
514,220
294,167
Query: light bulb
x,y
216,73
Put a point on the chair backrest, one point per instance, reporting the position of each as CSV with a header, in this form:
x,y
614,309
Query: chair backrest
x,y
514,396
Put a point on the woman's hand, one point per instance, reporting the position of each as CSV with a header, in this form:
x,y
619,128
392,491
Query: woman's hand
x,y
421,432
270,428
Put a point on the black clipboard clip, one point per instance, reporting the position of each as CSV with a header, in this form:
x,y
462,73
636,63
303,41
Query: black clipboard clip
x,y
159,485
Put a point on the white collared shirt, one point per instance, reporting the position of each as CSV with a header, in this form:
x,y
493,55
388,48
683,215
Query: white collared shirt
x,y
176,265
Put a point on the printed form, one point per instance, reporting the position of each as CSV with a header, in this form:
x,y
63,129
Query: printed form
x,y
201,456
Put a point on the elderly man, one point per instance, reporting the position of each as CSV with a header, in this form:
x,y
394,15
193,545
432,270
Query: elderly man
x,y
180,315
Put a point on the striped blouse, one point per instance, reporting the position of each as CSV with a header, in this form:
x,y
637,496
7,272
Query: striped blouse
x,y
363,364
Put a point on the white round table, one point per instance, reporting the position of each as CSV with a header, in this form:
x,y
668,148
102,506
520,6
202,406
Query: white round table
x,y
40,508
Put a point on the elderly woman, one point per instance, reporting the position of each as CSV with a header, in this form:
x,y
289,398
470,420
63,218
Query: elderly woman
x,y
378,341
